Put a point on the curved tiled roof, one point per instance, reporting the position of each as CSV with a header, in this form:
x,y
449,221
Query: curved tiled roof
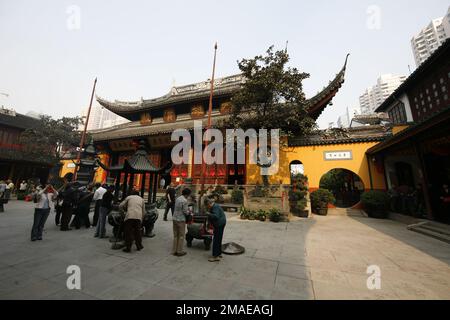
x,y
371,133
226,86
222,86
318,103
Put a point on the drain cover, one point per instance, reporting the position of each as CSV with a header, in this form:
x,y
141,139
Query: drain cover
x,y
232,248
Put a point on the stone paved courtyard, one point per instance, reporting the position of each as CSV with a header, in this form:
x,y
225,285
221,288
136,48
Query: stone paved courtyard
x,y
319,258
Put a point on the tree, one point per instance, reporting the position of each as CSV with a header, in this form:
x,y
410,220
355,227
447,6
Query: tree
x,y
51,139
271,97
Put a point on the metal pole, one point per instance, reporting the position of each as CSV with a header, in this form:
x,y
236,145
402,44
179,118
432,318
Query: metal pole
x,y
211,93
83,136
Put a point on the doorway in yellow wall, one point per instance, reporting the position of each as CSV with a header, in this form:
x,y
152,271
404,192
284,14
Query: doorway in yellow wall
x,y
345,185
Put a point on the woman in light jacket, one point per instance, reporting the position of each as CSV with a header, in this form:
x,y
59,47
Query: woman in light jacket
x,y
45,199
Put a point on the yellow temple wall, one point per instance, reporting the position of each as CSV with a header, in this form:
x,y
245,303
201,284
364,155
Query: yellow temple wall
x,y
65,169
316,166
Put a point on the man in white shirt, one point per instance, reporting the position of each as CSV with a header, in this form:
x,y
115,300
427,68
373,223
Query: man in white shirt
x,y
98,196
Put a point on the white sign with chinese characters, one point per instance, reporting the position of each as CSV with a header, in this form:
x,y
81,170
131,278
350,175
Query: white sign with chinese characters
x,y
337,155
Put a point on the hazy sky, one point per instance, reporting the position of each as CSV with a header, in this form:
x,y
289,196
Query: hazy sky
x,y
139,48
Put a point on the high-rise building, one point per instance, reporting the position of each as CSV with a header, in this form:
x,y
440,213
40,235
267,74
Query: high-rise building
x,y
374,96
101,118
430,38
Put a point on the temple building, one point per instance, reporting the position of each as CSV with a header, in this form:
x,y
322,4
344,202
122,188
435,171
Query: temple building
x,y
154,120
14,164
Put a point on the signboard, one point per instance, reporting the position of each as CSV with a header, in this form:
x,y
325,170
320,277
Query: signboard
x,y
337,155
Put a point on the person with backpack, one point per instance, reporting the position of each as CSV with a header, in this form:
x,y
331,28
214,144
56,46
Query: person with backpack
x,y
45,198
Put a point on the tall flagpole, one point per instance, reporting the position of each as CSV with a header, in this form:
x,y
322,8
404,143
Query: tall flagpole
x,y
211,93
83,136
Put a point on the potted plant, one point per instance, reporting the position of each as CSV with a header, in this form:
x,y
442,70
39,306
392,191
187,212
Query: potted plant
x,y
297,195
244,213
376,204
251,215
274,215
261,215
320,200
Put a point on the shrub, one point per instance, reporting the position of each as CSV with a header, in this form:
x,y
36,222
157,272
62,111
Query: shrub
x,y
274,215
237,196
259,192
321,198
220,190
375,203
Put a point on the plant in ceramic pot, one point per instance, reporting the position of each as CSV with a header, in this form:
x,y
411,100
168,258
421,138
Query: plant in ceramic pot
x,y
251,215
261,215
320,200
244,213
274,215
376,204
297,195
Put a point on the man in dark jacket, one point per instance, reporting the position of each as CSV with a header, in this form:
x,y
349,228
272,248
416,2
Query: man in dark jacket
x,y
83,208
218,219
170,198
69,198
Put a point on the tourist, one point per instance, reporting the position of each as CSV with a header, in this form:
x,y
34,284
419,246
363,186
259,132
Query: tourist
x,y
134,208
2,188
181,210
69,200
105,209
98,195
170,200
83,208
22,190
10,186
45,197
218,219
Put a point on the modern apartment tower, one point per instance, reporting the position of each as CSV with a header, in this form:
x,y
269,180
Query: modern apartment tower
x,y
374,96
430,38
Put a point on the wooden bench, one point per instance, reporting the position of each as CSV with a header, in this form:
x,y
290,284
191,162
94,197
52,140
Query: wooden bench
x,y
230,206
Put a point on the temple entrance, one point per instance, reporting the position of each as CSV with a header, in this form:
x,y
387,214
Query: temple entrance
x,y
346,186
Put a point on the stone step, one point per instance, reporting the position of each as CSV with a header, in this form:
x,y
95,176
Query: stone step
x,y
443,229
423,229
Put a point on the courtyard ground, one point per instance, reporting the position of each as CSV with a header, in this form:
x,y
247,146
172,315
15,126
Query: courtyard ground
x,y
317,258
